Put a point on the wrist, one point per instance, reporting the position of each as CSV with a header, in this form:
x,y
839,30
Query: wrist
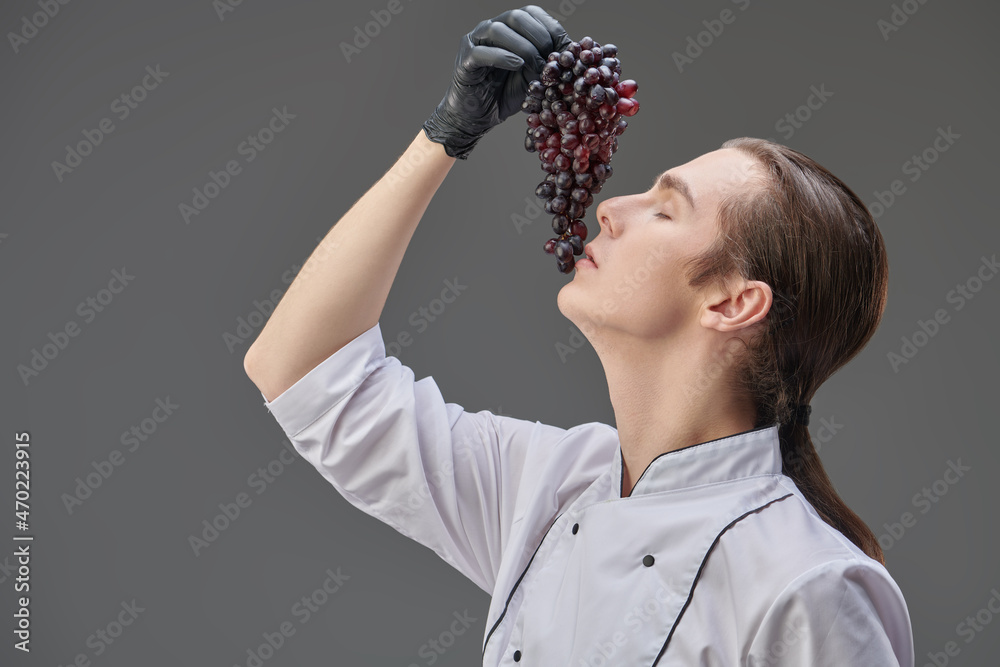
x,y
458,142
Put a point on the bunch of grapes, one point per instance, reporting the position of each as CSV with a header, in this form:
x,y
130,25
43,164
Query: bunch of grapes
x,y
575,115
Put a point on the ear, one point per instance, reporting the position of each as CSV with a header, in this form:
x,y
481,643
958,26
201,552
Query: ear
x,y
746,305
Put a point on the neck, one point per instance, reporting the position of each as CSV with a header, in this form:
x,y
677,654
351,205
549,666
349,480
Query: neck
x,y
680,400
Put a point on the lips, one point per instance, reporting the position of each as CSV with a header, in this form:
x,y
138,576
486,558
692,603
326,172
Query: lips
x,y
588,251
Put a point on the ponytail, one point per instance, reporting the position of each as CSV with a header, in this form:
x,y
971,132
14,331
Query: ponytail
x,y
801,462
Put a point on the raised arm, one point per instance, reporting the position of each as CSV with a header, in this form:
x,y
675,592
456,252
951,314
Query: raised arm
x,y
341,289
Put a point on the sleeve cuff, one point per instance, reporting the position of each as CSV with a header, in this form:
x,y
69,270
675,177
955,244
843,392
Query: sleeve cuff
x,y
328,383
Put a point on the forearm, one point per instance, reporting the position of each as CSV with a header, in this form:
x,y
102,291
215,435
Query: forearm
x,y
341,289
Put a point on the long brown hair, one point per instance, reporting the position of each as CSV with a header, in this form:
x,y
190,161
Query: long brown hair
x,y
802,231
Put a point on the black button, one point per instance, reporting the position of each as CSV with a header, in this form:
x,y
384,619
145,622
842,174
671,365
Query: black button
x,y
517,656
576,527
647,560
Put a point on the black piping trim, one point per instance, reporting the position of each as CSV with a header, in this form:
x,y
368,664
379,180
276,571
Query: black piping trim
x,y
516,584
702,567
621,477
673,451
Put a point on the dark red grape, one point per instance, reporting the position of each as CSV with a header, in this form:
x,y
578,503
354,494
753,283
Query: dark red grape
x,y
531,105
597,93
550,73
627,88
564,249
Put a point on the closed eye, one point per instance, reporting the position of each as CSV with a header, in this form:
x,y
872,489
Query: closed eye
x,y
663,215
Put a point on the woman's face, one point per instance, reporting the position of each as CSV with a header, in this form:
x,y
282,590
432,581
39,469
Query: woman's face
x,y
638,285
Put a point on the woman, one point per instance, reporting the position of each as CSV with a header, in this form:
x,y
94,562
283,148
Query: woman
x,y
702,530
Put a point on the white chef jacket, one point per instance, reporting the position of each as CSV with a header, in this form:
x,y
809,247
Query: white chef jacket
x,y
714,559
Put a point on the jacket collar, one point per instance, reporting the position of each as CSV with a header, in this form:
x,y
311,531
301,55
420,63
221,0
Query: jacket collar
x,y
745,454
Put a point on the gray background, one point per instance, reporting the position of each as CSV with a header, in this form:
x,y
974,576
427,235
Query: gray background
x,y
493,348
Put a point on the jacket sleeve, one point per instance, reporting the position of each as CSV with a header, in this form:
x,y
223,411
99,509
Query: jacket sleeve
x,y
451,480
844,612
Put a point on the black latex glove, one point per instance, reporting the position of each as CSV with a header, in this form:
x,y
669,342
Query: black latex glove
x,y
495,64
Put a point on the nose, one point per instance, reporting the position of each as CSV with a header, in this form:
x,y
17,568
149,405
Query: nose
x,y
604,215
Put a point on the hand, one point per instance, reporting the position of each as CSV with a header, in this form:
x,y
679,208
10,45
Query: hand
x,y
495,63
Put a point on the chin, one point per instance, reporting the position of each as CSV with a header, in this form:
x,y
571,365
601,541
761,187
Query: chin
x,y
573,305
568,305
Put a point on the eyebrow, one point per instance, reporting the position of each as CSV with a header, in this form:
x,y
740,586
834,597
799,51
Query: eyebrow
x,y
668,181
